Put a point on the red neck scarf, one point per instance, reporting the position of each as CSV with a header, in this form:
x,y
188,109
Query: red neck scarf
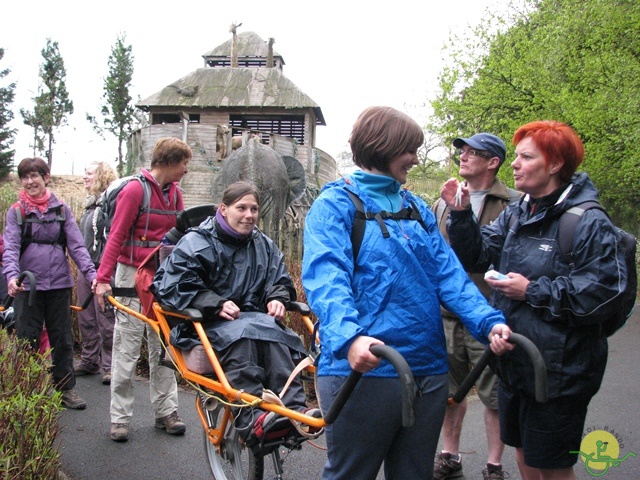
x,y
41,203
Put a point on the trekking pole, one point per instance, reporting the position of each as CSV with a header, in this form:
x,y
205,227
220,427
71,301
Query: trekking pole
x,y
406,380
32,291
539,370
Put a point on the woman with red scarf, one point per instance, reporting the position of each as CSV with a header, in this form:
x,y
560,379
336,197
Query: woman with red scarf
x,y
40,230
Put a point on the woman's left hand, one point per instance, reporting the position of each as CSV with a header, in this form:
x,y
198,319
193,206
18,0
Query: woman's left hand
x,y
455,194
499,339
514,288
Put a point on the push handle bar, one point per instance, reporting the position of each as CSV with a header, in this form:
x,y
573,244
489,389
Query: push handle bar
x,y
32,291
406,380
85,305
539,370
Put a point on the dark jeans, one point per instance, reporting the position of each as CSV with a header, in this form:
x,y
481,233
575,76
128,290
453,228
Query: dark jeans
x,y
51,308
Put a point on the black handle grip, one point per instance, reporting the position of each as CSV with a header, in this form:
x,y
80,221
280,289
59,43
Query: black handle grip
x,y
32,291
539,370
87,302
470,380
406,380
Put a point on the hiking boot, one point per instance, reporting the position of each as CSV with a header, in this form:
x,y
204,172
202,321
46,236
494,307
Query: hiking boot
x,y
446,467
72,400
106,378
494,472
119,432
79,370
172,424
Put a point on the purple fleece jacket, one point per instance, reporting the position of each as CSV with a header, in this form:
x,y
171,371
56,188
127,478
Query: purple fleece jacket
x,y
48,262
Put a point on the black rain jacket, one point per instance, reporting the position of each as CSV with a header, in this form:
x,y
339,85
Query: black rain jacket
x,y
564,303
208,267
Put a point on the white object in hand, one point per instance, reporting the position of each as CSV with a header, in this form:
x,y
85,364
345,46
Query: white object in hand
x,y
458,197
493,275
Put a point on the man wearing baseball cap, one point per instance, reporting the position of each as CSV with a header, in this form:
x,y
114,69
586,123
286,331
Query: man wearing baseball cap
x,y
480,157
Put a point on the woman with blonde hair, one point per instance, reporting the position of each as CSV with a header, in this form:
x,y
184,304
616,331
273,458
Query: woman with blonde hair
x,y
95,325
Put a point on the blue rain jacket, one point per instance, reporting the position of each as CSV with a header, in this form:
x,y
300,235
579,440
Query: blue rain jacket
x,y
394,289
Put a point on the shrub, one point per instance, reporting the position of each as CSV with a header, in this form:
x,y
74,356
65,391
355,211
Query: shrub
x,y
28,413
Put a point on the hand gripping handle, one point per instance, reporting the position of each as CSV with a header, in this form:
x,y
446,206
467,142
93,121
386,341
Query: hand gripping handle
x,y
539,370
32,291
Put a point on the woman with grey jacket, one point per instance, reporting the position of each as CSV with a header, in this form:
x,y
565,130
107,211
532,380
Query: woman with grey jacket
x,y
40,230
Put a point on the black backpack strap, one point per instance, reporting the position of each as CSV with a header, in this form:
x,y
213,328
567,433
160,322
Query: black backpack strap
x,y
145,207
360,218
415,215
567,227
359,222
357,231
25,223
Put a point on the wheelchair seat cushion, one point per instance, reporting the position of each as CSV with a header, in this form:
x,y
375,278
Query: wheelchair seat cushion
x,y
197,361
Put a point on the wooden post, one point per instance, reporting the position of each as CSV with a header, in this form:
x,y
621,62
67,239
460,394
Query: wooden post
x,y
234,44
270,52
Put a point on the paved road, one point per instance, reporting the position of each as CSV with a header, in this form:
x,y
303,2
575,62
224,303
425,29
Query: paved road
x,y
87,453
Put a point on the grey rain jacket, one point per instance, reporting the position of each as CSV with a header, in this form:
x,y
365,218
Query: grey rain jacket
x,y
563,305
208,267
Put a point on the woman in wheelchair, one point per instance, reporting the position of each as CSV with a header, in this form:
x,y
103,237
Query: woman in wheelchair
x,y
235,275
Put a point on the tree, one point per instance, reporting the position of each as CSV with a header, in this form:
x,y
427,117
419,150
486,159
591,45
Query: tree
x,y
118,115
52,104
34,120
6,115
577,61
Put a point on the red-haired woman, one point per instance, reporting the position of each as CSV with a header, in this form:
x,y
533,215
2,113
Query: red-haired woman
x,y
556,302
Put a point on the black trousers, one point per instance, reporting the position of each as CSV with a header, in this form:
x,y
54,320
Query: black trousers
x,y
253,365
51,308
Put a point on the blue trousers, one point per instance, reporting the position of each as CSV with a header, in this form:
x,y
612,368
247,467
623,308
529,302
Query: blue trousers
x,y
369,429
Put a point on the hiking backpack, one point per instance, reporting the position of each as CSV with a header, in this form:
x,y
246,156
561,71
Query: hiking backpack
x,y
626,241
24,223
566,232
106,207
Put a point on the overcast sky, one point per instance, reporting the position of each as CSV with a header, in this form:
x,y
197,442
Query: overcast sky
x,y
345,55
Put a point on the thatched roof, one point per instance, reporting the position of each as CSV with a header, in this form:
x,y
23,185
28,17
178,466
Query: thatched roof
x,y
249,45
232,87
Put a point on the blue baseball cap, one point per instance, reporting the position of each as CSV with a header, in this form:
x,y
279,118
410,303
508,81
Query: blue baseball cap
x,y
484,141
